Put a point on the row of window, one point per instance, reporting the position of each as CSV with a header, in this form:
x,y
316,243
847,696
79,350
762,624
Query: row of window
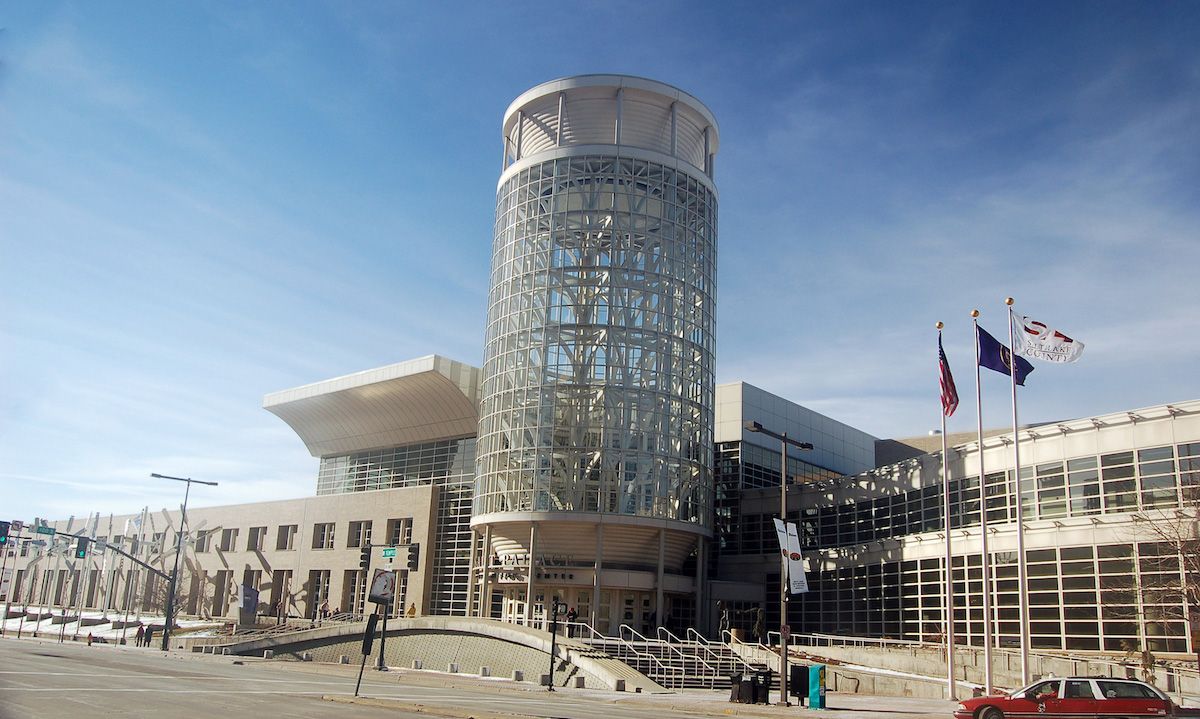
x,y
408,466
1104,597
399,531
1150,478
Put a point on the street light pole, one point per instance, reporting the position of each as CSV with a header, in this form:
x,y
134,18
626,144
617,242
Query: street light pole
x,y
784,629
174,583
553,636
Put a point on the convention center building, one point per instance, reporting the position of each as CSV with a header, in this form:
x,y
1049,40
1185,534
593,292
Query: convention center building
x,y
593,459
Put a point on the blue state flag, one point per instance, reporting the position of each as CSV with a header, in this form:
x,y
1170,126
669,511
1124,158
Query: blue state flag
x,y
998,358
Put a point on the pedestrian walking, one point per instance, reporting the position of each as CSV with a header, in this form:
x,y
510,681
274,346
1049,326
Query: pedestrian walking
x,y
141,636
149,636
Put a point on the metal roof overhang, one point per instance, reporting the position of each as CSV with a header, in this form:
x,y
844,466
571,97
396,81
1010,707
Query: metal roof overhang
x,y
423,400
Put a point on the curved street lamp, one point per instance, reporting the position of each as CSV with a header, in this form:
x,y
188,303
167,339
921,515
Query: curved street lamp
x,y
178,553
784,629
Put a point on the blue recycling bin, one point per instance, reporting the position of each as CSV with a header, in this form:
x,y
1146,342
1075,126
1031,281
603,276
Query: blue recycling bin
x,y
816,686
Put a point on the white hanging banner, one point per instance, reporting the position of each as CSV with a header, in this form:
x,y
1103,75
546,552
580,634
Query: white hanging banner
x,y
796,577
789,547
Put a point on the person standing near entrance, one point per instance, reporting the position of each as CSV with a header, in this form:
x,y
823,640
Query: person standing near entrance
x,y
140,636
572,615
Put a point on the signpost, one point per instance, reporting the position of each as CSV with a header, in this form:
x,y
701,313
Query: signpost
x,y
383,591
368,639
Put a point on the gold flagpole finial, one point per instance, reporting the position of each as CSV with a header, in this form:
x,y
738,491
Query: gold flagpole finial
x,y
974,313
939,325
1008,301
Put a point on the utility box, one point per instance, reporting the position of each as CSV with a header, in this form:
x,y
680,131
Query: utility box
x,y
816,686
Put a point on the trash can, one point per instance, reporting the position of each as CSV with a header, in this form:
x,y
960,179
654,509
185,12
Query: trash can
x,y
746,691
762,688
798,682
756,688
735,686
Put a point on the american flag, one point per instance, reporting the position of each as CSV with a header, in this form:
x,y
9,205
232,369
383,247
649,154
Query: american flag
x,y
949,392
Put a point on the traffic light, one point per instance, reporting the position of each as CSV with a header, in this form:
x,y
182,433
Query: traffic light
x,y
414,557
81,548
364,558
4,533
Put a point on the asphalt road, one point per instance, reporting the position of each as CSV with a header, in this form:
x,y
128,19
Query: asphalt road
x,y
42,679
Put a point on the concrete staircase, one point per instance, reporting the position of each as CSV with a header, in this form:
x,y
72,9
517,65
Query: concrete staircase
x,y
692,663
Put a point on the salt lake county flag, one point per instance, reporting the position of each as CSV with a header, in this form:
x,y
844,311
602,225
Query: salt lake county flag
x,y
997,358
1035,339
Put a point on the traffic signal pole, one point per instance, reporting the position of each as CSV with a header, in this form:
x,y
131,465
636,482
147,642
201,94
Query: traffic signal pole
x,y
6,546
387,609
4,568
49,586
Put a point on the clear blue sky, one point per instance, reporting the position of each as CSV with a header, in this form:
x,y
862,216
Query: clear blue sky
x,y
201,203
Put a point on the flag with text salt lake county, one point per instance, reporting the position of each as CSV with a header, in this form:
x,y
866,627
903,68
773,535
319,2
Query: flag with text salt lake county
x,y
1039,341
998,358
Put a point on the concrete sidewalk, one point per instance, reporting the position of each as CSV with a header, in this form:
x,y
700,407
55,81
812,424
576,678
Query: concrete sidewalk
x,y
696,702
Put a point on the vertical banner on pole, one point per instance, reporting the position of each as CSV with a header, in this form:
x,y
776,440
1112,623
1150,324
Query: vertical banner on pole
x,y
796,577
789,547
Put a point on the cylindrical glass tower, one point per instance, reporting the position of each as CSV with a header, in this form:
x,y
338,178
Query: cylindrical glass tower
x,y
596,421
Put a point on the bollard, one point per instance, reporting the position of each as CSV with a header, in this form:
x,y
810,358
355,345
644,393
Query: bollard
x,y
306,657
416,664
453,668
344,659
545,680
485,671
518,675
268,654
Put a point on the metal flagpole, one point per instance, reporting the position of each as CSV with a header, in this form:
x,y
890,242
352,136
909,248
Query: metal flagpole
x,y
949,606
1022,577
983,527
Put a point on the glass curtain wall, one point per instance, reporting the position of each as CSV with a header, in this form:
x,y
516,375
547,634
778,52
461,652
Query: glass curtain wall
x,y
598,377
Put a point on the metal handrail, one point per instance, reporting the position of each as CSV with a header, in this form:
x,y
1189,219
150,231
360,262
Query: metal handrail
x,y
672,672
1168,677
701,641
711,672
836,640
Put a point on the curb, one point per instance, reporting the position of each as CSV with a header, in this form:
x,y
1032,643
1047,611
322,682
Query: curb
x,y
424,708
